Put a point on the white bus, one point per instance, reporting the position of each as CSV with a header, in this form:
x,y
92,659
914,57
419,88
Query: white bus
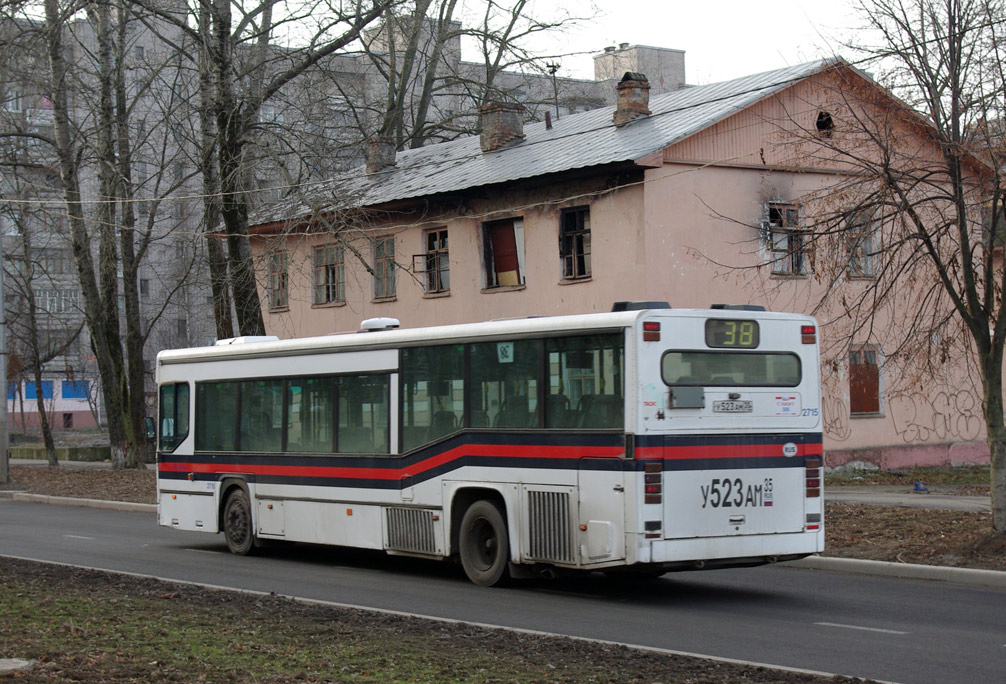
x,y
643,440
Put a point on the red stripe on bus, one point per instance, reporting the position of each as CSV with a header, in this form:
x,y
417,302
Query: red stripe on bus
x,y
496,451
699,451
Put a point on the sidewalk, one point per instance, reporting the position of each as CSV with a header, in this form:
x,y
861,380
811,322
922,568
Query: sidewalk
x,y
69,464
902,496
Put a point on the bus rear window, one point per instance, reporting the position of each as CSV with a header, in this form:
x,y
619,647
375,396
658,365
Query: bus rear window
x,y
730,369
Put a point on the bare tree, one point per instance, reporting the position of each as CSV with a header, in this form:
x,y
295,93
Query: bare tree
x,y
242,69
904,244
37,326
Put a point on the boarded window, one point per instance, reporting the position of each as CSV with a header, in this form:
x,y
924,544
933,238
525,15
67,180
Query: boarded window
x,y
503,242
864,381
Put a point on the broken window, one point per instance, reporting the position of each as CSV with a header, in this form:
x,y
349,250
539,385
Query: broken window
x,y
503,253
574,243
825,124
864,381
789,245
384,268
438,266
329,275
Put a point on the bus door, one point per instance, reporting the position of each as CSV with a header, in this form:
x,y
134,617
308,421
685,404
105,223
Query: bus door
x,y
601,508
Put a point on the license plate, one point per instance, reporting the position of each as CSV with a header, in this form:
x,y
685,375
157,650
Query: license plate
x,y
732,406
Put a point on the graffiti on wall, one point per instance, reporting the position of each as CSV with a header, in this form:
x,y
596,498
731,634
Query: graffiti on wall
x,y
943,416
836,418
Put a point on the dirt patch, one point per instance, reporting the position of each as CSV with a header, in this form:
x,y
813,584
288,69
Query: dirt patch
x,y
90,627
85,482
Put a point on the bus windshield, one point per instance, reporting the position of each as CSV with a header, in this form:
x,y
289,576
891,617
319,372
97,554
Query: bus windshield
x,y
730,369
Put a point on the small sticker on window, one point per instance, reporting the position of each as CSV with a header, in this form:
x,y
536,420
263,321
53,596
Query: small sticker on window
x,y
504,352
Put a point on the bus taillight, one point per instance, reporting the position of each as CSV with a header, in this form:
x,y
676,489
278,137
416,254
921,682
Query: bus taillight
x,y
651,331
808,334
813,465
653,484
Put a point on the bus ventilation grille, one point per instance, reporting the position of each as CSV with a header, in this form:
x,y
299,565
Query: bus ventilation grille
x,y
411,529
549,534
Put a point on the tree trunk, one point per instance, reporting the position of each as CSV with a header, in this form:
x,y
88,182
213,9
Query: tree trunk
x,y
116,394
68,154
234,208
135,432
43,418
996,435
219,285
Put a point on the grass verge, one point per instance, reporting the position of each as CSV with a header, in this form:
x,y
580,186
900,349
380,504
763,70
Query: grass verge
x,y
84,626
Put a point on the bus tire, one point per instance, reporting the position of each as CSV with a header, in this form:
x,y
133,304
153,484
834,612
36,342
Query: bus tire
x,y
483,544
238,523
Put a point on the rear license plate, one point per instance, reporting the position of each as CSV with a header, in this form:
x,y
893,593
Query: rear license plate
x,y
732,406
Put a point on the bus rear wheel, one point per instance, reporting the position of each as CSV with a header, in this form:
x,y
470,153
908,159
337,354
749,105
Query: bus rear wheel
x,y
238,523
484,545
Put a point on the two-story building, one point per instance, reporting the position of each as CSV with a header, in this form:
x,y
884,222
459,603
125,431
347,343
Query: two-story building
x,y
709,194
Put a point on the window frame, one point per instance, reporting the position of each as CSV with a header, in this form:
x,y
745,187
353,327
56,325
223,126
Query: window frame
x,y
860,243
785,239
329,285
574,243
437,261
385,287
279,281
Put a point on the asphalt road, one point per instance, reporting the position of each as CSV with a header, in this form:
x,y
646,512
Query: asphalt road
x,y
882,628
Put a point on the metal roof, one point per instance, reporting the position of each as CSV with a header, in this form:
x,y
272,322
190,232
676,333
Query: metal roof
x,y
575,141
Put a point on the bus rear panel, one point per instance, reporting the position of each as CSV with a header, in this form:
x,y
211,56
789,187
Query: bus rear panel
x,y
728,438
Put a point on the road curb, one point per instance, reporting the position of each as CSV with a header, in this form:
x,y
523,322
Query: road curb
x,y
84,503
938,573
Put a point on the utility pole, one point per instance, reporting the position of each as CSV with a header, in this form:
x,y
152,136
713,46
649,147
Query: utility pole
x,y
552,68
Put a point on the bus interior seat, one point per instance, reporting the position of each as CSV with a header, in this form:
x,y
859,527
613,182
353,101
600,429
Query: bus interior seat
x,y
414,436
603,410
516,412
444,422
557,410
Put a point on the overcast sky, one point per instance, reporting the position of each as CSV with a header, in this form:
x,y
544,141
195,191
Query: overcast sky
x,y
722,39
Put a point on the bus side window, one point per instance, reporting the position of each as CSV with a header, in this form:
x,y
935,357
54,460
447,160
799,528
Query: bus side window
x,y
585,377
432,393
174,415
504,383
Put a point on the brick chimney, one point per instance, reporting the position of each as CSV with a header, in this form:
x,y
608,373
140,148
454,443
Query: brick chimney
x,y
380,153
633,98
502,125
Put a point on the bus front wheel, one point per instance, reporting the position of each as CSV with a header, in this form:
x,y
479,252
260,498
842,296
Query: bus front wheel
x,y
238,523
483,544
